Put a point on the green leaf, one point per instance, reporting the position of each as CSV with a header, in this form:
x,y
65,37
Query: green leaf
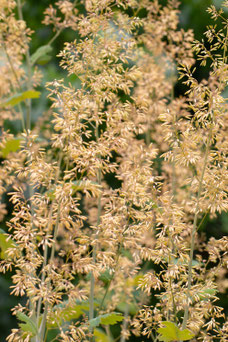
x,y
73,312
78,185
65,312
17,98
95,322
28,325
171,332
224,221
130,308
65,315
5,243
107,319
27,328
44,59
127,254
40,53
12,145
185,262
51,194
207,293
106,276
112,318
185,335
100,336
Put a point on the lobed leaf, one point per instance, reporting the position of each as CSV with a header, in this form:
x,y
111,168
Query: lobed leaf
x,y
5,243
40,54
66,312
19,97
131,308
207,293
100,336
78,185
28,325
106,319
171,332
12,145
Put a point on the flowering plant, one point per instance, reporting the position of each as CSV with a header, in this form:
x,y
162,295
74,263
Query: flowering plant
x,y
111,185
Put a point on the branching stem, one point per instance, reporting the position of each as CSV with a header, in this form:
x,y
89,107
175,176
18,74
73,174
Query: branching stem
x,y
194,229
43,322
29,71
92,282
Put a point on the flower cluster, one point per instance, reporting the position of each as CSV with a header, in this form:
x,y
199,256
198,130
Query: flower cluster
x,y
110,187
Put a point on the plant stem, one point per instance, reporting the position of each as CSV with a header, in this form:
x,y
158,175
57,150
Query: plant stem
x,y
43,266
11,65
45,261
18,83
173,200
29,70
43,322
60,30
194,229
92,282
55,36
124,325
112,277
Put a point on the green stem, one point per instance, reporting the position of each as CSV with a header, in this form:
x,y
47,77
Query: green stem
x,y
194,229
29,67
45,261
11,65
43,266
92,282
112,277
55,36
120,245
124,325
173,200
148,136
60,30
43,322
18,83
173,311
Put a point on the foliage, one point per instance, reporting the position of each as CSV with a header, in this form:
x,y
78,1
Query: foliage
x,y
110,187
172,333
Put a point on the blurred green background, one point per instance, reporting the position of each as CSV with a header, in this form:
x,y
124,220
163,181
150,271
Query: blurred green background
x,y
193,15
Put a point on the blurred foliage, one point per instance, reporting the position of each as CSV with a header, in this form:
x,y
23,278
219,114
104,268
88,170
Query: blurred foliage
x,y
194,16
